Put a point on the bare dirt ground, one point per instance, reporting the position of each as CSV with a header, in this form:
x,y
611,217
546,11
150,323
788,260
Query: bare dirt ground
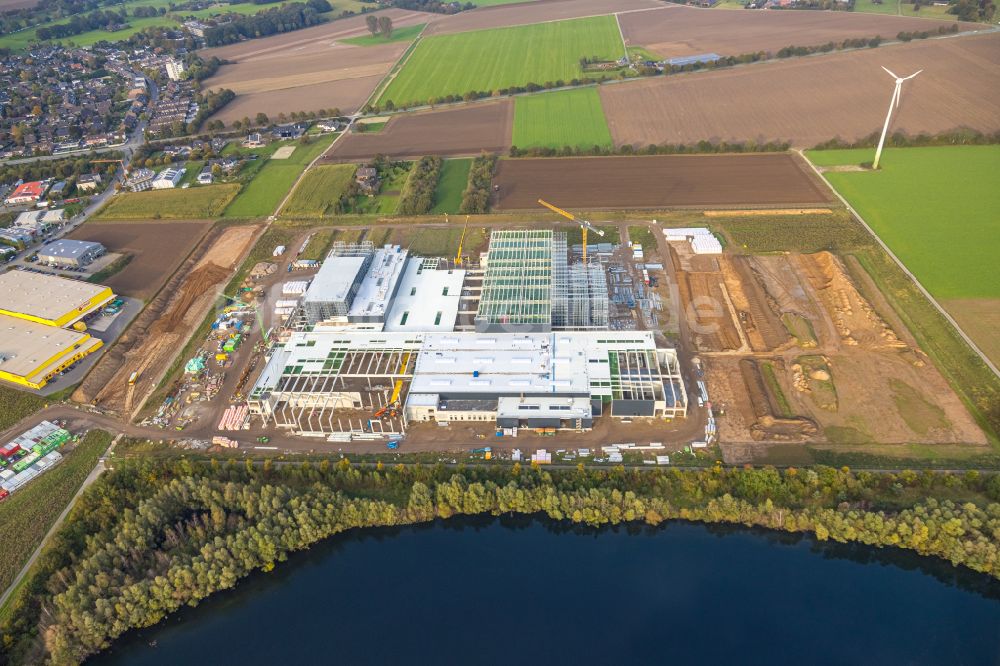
x,y
656,181
459,131
533,12
156,248
810,100
680,30
859,382
980,318
162,329
308,69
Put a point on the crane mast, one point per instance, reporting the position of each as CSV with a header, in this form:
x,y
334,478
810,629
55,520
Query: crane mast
x,y
584,224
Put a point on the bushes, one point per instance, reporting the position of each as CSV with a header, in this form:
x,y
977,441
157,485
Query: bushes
x,y
476,198
417,196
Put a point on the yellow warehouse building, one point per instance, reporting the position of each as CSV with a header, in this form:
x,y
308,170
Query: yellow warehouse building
x,y
35,313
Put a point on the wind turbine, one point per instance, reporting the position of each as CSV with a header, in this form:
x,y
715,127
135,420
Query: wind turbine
x,y
893,103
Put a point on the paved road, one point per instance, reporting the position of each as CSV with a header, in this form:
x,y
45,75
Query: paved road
x,y
93,476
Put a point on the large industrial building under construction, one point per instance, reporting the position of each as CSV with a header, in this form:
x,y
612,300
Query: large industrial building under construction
x,y
40,329
377,343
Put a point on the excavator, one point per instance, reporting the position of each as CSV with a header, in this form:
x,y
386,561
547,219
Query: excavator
x,y
584,224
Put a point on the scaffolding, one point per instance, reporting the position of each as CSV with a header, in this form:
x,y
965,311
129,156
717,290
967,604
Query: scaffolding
x,y
517,285
580,293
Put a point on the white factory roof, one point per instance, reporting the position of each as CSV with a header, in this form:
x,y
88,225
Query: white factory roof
x,y
25,346
683,233
543,407
45,296
334,279
468,362
423,294
377,288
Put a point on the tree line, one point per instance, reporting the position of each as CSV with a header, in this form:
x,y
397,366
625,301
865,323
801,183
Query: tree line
x,y
654,149
83,23
962,136
158,534
286,18
476,197
417,196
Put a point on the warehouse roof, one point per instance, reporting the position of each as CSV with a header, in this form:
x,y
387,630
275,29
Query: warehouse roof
x,y
69,249
26,348
49,297
334,280
379,284
427,299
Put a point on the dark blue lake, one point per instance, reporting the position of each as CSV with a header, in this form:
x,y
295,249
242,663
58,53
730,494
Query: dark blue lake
x,y
494,591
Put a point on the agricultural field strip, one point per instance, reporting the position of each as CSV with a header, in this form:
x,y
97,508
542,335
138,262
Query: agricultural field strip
x,y
951,320
501,57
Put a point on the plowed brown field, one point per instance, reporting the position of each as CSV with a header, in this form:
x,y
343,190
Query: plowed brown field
x,y
156,248
679,30
503,16
810,100
657,181
460,131
306,70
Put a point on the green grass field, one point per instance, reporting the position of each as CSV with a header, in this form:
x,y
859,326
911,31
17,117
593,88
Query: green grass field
x,y
406,34
563,118
487,60
936,208
319,190
902,8
194,203
448,194
262,195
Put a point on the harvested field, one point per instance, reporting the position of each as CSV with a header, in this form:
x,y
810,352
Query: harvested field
x,y
657,181
149,346
11,5
682,31
460,131
157,249
306,70
535,12
811,100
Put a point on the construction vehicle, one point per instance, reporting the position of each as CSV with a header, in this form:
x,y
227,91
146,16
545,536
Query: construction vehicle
x,y
584,224
131,378
263,439
461,240
392,445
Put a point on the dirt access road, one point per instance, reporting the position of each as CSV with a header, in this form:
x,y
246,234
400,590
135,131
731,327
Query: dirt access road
x,y
657,181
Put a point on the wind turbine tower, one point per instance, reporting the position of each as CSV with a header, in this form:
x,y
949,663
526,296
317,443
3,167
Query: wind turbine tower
x,y
893,103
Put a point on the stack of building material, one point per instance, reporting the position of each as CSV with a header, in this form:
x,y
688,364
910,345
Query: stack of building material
x,y
542,457
235,417
294,288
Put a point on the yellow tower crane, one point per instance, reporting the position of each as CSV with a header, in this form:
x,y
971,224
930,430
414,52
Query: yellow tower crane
x,y
584,224
461,240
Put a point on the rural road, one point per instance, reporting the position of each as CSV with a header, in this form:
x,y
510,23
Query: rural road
x,y
93,476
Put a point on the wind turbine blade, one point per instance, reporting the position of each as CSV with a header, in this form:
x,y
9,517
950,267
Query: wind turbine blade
x,y
897,94
912,75
890,73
